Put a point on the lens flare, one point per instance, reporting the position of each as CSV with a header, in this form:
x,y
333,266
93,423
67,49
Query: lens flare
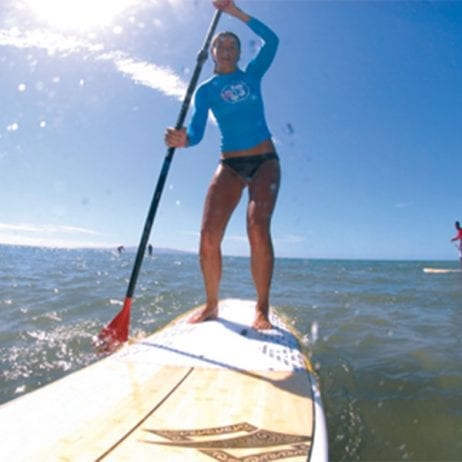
x,y
78,14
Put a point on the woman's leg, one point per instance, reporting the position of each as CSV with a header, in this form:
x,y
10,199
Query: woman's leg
x,y
263,192
223,195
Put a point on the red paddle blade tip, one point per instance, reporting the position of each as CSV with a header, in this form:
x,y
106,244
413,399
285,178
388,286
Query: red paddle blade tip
x,y
116,332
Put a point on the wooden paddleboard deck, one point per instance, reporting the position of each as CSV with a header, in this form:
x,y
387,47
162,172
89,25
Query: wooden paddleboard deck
x,y
217,390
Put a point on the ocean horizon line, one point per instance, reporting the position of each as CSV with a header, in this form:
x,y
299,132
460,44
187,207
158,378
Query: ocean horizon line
x,y
175,251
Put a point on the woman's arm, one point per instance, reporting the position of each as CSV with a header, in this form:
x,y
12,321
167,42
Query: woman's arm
x,y
183,138
261,63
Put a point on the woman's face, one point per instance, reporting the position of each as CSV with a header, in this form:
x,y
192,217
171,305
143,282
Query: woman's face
x,y
226,52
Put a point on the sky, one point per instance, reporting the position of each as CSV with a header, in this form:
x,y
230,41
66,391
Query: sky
x,y
364,101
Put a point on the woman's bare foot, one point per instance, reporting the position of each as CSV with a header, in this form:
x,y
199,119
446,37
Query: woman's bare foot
x,y
261,321
203,314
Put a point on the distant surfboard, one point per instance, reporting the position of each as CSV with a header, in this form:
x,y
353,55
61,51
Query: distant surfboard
x,y
441,270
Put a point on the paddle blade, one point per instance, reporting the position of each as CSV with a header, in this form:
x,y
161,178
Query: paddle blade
x,y
116,332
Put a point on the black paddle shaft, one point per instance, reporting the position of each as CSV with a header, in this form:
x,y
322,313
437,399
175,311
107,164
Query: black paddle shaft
x,y
201,58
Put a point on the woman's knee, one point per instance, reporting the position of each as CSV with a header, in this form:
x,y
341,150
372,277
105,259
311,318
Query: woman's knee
x,y
210,240
259,232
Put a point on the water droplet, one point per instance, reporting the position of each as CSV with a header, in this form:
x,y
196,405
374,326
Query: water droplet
x,y
12,127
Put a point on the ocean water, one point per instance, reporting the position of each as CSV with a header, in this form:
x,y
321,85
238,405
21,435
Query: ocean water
x,y
384,336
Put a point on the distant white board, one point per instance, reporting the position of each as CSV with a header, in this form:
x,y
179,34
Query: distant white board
x,y
441,270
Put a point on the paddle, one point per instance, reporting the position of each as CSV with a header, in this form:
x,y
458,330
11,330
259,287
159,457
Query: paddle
x,y
116,332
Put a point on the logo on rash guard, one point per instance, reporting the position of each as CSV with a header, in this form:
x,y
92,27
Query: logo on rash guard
x,y
235,92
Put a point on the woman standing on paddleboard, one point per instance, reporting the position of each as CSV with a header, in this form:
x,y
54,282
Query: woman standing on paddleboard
x,y
458,237
248,159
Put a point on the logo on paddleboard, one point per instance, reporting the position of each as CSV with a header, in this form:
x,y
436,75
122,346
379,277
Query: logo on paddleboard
x,y
236,442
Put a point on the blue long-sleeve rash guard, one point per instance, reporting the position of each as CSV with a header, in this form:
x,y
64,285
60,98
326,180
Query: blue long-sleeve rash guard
x,y
235,99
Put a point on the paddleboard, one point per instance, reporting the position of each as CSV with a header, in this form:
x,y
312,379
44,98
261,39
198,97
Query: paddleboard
x,y
441,270
214,391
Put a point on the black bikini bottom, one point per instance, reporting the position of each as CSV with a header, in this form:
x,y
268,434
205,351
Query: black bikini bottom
x,y
247,166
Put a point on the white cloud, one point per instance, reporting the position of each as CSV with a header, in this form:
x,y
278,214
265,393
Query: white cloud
x,y
159,78
52,42
44,228
236,238
150,75
404,205
290,239
50,236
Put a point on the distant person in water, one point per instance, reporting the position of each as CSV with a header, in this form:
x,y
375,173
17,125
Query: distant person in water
x,y
248,160
458,237
150,250
120,249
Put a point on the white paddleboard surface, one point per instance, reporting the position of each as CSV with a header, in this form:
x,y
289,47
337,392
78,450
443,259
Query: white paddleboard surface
x,y
441,270
217,390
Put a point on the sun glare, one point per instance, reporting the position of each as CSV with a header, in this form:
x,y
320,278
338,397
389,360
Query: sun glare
x,y
78,14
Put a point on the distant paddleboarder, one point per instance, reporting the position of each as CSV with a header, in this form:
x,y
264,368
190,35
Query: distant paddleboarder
x,y
458,237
